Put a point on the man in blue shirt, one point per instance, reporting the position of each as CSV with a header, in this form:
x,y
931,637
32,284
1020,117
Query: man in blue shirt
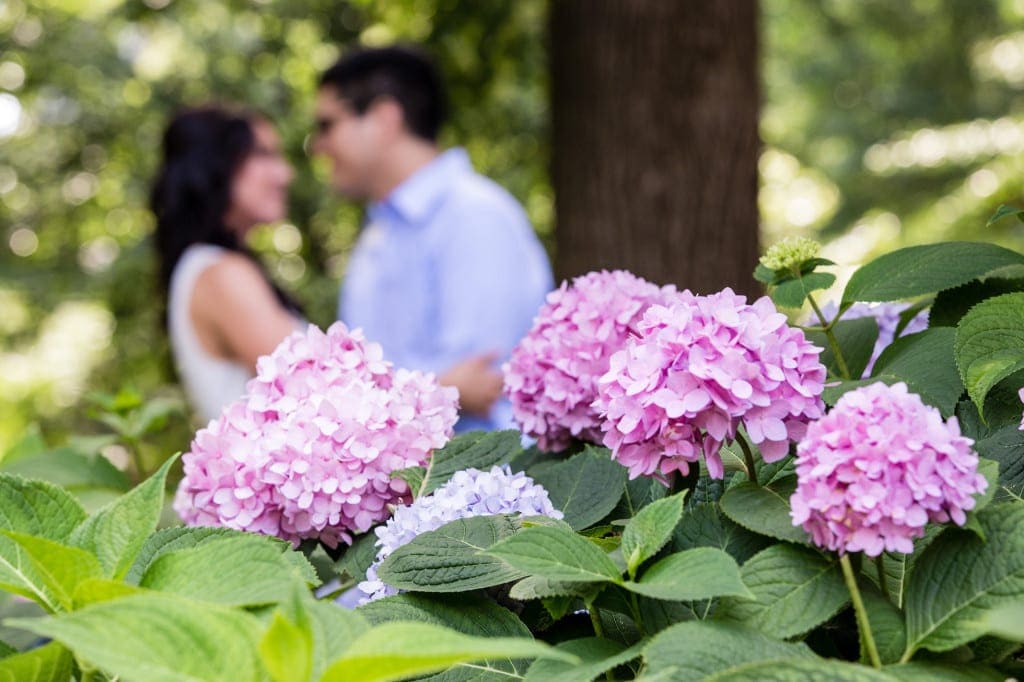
x,y
447,274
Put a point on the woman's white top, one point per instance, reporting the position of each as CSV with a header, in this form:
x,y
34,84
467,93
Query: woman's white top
x,y
210,382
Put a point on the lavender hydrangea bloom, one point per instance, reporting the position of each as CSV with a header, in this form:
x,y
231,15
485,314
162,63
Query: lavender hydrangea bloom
x,y
469,493
697,370
881,465
551,377
309,451
887,315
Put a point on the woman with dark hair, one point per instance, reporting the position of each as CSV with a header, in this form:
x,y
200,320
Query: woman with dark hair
x,y
222,174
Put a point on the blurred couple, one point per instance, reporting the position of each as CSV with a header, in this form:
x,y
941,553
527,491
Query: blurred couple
x,y
446,274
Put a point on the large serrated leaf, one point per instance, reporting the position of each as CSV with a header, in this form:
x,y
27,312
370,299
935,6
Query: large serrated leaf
x,y
764,509
989,344
1006,447
691,652
451,558
171,540
38,508
395,651
536,587
117,532
919,270
927,671
49,663
286,650
472,450
951,305
19,575
358,557
638,493
960,577
598,655
585,487
706,526
62,568
556,554
159,638
856,339
794,589
650,530
887,625
466,613
924,362
695,574
237,570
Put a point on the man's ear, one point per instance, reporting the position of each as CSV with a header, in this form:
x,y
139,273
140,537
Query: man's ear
x,y
388,114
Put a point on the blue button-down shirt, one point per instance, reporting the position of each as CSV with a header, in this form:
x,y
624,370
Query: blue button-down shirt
x,y
446,268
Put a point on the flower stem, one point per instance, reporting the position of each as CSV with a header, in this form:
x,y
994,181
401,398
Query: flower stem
x,y
595,620
882,583
748,458
833,342
867,639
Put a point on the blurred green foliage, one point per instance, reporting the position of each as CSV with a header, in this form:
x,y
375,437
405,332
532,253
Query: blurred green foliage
x,y
884,124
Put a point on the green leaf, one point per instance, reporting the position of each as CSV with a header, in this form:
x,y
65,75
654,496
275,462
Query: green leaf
x,y
38,508
793,292
951,305
1004,211
238,570
159,638
585,487
924,362
794,590
800,670
395,651
171,540
61,568
49,663
919,270
764,274
466,613
333,630
1006,447
358,557
20,575
472,450
989,344
887,624
764,509
537,587
287,650
856,339
117,532
694,574
639,493
598,656
650,530
96,590
960,577
451,558
706,526
696,650
556,554
1005,622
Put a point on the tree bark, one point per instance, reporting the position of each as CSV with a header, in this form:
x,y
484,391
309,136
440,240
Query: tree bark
x,y
655,143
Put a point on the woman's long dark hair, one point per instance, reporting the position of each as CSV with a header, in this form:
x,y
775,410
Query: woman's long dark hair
x,y
203,149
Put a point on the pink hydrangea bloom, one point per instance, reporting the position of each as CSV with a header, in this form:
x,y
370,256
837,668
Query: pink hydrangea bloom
x,y
309,451
880,466
1022,416
551,378
699,368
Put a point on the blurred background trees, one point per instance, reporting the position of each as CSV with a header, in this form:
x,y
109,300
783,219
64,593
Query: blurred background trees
x,y
881,123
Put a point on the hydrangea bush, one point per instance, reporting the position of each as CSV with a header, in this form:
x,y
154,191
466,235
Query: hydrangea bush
x,y
758,509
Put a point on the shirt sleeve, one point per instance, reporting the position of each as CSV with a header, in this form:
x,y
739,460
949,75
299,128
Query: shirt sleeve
x,y
492,276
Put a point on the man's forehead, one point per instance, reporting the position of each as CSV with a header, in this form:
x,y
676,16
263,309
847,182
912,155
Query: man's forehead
x,y
329,97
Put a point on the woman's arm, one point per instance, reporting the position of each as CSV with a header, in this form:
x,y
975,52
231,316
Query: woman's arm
x,y
235,312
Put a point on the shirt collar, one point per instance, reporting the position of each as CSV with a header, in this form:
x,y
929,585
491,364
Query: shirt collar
x,y
421,192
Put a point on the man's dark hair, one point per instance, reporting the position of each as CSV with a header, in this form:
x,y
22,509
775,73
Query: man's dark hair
x,y
404,74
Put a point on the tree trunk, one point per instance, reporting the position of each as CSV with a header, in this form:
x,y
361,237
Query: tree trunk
x,y
654,116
